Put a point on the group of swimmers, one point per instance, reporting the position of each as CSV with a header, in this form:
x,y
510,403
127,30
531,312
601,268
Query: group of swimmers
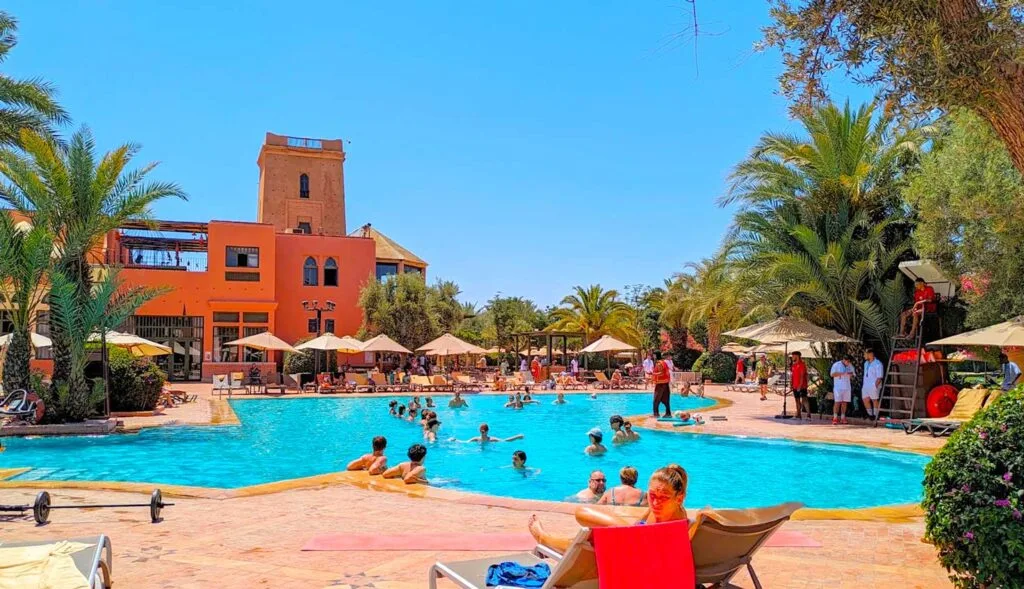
x,y
623,434
427,416
376,463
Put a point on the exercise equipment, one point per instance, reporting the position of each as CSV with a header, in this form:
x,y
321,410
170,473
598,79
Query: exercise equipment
x,y
42,505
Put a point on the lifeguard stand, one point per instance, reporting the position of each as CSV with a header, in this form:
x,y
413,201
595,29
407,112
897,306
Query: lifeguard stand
x,y
905,386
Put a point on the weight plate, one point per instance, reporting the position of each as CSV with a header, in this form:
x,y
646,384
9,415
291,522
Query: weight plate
x,y
156,503
41,508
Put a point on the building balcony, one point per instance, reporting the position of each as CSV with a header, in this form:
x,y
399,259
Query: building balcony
x,y
170,246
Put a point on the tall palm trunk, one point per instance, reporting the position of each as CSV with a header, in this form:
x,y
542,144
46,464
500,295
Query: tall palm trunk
x,y
17,362
64,373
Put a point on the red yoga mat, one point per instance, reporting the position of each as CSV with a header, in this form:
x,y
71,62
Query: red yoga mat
x,y
432,541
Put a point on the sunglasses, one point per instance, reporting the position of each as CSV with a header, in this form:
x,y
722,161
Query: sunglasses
x,y
598,480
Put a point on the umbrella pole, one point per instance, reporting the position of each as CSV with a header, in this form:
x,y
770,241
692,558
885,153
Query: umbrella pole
x,y
785,384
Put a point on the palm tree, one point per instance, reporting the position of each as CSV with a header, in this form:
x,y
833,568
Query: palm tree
x,y
709,293
822,225
24,104
79,200
24,264
107,304
592,311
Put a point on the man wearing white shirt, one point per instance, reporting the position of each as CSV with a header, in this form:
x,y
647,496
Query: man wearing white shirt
x,y
648,364
871,388
842,389
574,368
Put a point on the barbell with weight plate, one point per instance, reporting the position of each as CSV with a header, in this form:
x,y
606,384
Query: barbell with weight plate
x,y
42,506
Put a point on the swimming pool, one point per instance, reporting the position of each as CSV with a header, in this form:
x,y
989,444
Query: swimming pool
x,y
290,438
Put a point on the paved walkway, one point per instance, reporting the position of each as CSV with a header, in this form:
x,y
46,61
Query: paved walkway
x,y
255,541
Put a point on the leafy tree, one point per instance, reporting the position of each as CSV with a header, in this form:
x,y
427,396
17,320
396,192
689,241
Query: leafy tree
x,y
66,190
443,297
970,207
407,310
645,315
505,316
24,104
922,55
24,263
594,312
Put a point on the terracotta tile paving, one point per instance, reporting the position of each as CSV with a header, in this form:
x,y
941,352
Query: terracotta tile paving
x,y
255,541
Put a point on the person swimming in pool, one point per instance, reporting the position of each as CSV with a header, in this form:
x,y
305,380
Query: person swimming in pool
x,y
430,402
511,401
559,399
631,435
616,422
430,433
596,485
457,401
528,400
393,408
401,412
595,448
485,436
666,493
626,493
375,462
593,396
414,403
411,418
412,471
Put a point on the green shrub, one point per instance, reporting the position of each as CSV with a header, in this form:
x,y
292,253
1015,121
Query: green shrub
x,y
305,361
719,367
135,383
974,497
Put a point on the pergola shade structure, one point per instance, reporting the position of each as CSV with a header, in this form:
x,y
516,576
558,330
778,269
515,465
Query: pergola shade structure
x,y
550,341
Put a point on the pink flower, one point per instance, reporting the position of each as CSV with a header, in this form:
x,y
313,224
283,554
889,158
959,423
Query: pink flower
x,y
983,435
966,488
1016,514
968,535
1002,502
1002,427
1008,477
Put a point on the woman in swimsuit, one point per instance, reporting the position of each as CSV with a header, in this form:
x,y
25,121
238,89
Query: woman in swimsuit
x,y
626,493
666,492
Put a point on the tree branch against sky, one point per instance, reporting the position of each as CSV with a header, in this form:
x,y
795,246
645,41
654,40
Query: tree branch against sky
x,y
921,56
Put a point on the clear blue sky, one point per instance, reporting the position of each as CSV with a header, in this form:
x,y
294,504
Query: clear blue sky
x,y
521,147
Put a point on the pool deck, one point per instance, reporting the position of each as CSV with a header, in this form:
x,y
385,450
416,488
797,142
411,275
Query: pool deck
x,y
249,539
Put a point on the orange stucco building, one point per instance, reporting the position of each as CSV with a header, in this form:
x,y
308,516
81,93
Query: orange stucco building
x,y
230,279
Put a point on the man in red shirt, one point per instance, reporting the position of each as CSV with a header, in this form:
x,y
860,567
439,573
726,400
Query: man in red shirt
x,y
740,370
799,385
662,378
924,302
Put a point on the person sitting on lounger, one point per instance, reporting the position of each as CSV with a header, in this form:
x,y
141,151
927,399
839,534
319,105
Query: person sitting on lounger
x,y
595,448
374,462
595,488
626,493
500,382
485,436
617,379
413,471
457,402
666,493
430,433
559,399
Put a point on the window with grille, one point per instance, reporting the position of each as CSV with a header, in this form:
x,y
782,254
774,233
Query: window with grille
x,y
311,326
309,273
330,272
222,334
242,257
303,186
255,318
329,325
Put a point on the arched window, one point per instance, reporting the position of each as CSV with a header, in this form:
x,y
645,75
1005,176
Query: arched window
x,y
303,186
309,272
330,272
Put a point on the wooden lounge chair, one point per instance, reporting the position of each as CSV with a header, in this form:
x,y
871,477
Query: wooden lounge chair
x,y
725,541
381,384
577,569
968,403
326,385
94,562
422,384
602,380
362,385
441,383
465,383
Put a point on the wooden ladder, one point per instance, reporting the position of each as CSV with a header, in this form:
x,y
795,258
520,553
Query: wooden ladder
x,y
892,403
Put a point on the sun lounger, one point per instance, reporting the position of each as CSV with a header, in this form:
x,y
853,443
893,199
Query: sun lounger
x,y
968,402
326,385
358,383
602,380
577,569
17,407
381,384
421,383
441,383
236,380
94,562
725,541
221,384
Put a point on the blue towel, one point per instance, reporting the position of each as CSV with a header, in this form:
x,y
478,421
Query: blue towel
x,y
513,574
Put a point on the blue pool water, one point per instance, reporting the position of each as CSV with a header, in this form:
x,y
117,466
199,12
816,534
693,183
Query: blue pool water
x,y
283,439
